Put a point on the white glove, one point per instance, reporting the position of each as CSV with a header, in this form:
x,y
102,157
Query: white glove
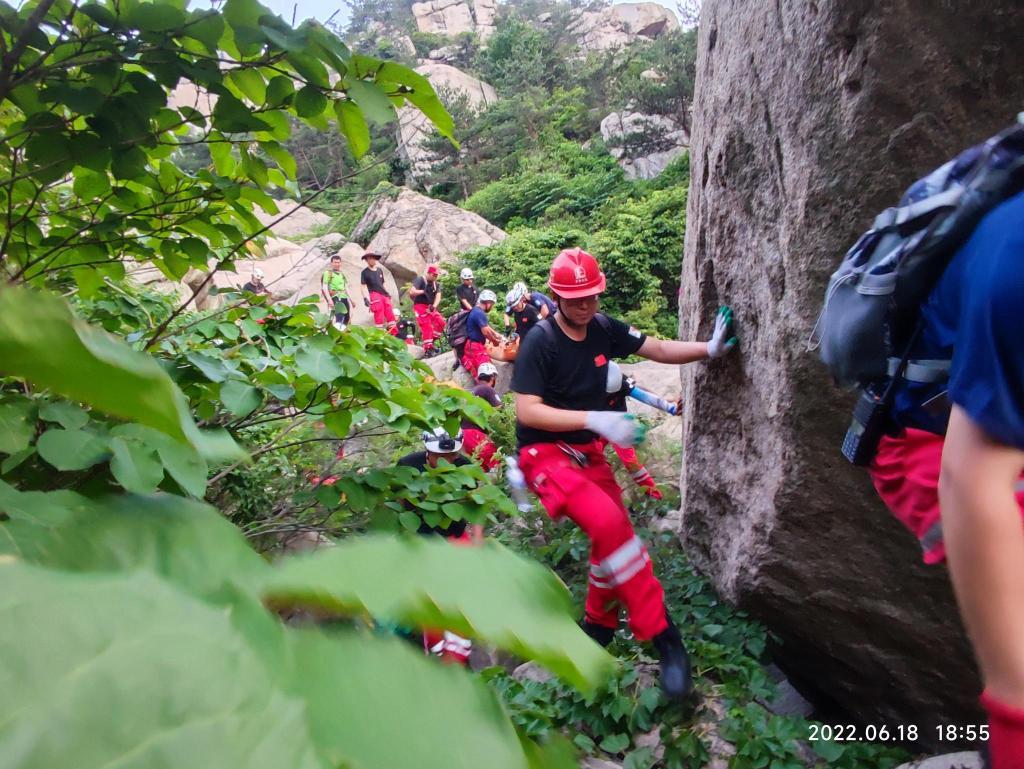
x,y
620,428
722,341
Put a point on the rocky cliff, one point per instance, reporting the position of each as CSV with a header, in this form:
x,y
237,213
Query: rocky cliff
x,y
810,116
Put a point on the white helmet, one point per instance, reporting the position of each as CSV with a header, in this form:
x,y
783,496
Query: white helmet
x,y
438,441
257,273
466,274
516,294
486,369
487,296
398,314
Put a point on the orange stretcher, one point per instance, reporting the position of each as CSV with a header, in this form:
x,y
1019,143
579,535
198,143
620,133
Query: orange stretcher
x,y
505,353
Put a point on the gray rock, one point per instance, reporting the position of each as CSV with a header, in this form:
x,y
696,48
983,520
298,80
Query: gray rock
x,y
414,231
591,762
452,17
966,760
531,671
810,118
643,144
616,26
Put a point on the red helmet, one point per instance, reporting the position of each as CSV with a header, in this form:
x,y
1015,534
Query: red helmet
x,y
575,274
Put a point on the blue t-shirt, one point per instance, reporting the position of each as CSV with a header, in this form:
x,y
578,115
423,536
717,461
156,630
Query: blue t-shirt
x,y
475,321
538,300
975,315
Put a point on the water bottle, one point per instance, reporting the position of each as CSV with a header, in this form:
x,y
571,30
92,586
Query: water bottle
x,y
517,485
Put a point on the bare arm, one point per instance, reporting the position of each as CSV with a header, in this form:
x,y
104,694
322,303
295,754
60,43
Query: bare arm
x,y
437,298
666,351
465,304
491,334
544,311
985,548
532,412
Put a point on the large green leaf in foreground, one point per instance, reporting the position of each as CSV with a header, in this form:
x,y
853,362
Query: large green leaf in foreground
x,y
487,592
42,342
125,671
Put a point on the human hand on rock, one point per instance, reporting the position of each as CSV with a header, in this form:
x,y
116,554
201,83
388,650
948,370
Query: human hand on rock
x,y
722,341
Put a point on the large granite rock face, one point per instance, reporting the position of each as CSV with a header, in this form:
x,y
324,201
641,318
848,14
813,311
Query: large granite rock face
x,y
643,145
453,17
414,127
413,231
298,220
811,117
616,26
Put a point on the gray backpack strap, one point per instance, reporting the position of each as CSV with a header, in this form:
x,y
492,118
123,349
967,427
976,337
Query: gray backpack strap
x,y
922,371
549,330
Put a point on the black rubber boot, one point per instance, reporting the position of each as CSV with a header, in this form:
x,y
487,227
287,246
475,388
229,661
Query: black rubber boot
x,y
676,680
603,635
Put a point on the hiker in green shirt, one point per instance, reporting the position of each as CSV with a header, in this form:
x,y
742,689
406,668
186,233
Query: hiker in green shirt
x,y
334,287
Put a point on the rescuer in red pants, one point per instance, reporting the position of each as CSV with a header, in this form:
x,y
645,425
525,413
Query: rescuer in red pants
x,y
476,444
641,475
375,295
426,295
479,331
562,413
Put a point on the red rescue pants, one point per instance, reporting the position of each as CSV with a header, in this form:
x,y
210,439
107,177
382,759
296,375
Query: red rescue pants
x,y
620,568
1006,734
906,476
478,446
431,324
474,354
383,313
640,475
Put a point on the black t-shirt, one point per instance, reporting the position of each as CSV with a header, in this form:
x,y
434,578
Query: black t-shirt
x,y
570,375
469,293
405,329
525,319
255,288
424,285
486,392
418,459
373,280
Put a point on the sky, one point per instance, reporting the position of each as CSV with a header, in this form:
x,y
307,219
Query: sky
x,y
322,9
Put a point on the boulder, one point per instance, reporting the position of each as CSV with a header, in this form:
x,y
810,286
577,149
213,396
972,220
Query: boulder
x,y
965,760
300,220
531,671
413,231
453,17
643,144
616,26
414,128
801,135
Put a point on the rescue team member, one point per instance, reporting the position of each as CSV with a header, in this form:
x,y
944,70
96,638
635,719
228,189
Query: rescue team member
x,y
334,288
478,331
439,445
375,296
255,284
466,292
476,443
562,414
974,476
404,329
426,296
524,314
542,303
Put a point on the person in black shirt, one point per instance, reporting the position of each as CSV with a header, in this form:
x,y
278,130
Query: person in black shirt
x,y
524,315
426,295
375,295
560,381
466,291
406,330
255,284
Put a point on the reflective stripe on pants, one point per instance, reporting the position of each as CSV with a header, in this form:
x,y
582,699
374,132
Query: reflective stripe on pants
x,y
430,322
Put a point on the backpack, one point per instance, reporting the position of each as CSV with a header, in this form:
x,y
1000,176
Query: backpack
x,y
455,329
870,320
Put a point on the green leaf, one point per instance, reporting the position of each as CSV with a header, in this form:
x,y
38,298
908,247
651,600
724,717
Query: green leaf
x,y
187,543
131,672
250,83
830,751
614,743
66,414
129,163
16,426
371,100
154,17
41,341
339,422
309,101
135,466
353,125
72,449
212,369
206,27
229,331
179,459
319,363
279,91
232,116
99,14
240,398
430,583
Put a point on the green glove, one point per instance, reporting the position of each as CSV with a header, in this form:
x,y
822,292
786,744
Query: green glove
x,y
722,340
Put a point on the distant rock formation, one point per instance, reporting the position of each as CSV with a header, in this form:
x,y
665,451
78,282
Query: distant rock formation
x,y
412,231
619,25
452,17
810,118
413,126
643,144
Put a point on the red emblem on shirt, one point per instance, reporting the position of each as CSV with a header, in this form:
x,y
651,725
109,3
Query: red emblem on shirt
x,y
600,360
